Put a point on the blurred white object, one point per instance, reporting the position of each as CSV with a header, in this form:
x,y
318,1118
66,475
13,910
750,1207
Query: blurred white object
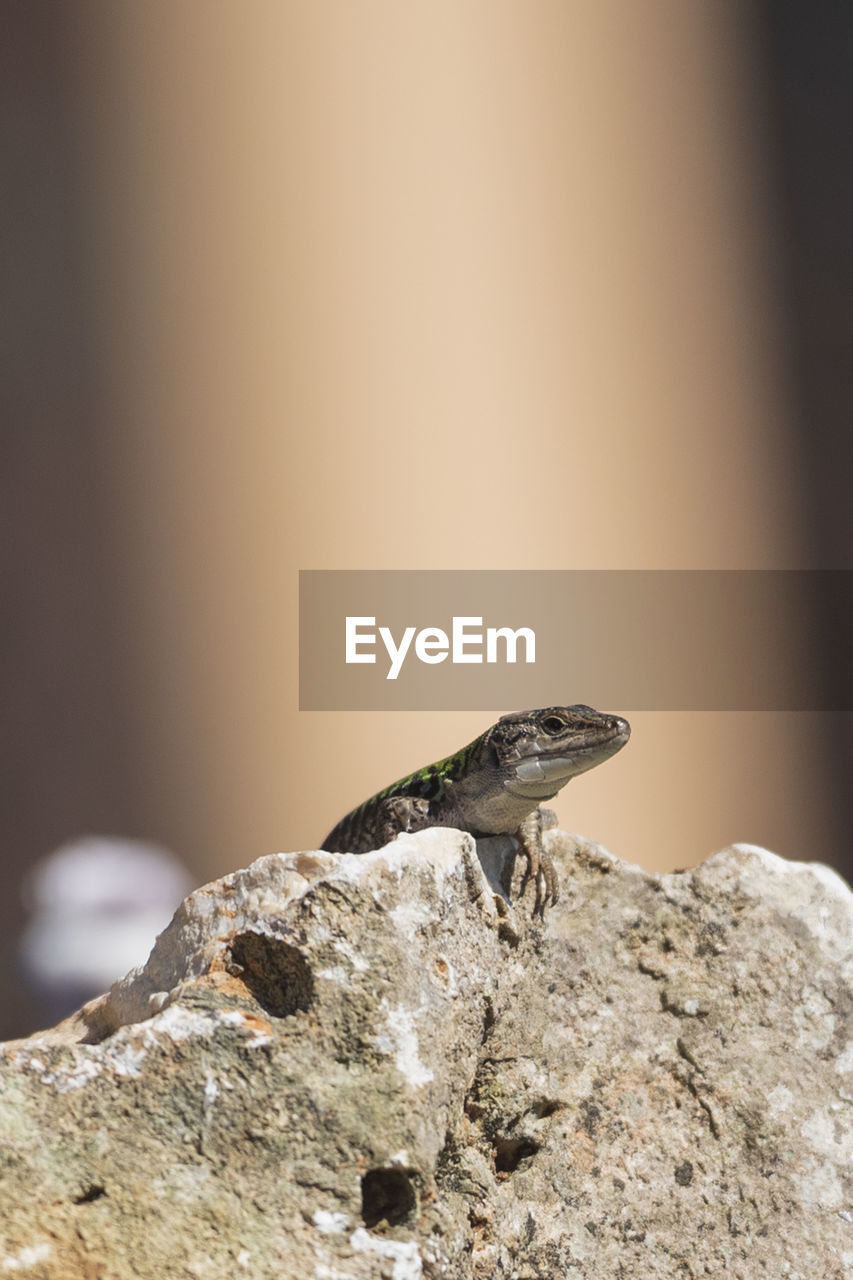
x,y
97,905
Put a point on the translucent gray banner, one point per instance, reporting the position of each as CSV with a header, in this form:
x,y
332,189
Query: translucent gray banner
x,y
703,640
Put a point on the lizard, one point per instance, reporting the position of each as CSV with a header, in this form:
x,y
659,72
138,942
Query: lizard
x,y
493,786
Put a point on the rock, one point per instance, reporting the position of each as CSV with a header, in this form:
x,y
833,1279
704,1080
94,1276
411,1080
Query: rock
x,y
336,1067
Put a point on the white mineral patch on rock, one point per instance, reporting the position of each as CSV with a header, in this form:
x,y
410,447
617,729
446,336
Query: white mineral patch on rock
x,y
77,1077
405,1255
400,1037
327,1223
27,1258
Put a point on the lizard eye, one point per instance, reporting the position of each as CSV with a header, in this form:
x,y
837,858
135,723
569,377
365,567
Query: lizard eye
x,y
553,724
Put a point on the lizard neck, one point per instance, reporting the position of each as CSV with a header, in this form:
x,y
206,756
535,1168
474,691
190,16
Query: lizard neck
x,y
480,795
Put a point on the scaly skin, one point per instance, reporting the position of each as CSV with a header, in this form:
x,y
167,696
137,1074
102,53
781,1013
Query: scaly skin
x,y
494,786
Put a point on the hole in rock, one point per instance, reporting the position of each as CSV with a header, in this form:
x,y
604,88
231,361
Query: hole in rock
x,y
93,1192
509,1153
545,1107
388,1194
275,973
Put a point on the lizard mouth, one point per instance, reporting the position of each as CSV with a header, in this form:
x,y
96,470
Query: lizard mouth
x,y
544,771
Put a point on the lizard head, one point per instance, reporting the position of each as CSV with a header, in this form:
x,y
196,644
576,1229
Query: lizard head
x,y
538,752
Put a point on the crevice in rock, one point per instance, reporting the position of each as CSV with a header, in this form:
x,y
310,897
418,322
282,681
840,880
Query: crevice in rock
x,y
681,1008
697,1087
92,1192
387,1194
706,1107
685,1053
509,1152
446,1158
275,973
545,1107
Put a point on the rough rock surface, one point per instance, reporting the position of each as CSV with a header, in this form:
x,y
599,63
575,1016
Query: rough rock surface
x,y
337,1066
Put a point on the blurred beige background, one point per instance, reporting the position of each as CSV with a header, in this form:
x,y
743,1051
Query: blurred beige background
x,y
474,285
430,285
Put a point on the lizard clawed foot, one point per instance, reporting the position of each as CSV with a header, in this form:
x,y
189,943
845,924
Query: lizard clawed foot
x,y
540,869
542,872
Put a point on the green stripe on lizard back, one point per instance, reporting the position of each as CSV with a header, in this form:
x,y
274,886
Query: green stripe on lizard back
x,y
429,782
424,784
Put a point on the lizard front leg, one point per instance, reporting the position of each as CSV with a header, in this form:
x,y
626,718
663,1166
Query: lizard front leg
x,y
540,868
397,814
